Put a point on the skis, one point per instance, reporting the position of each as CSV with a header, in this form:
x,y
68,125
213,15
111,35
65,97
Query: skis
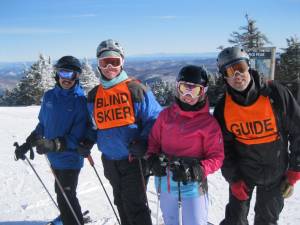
x,y
86,219
57,220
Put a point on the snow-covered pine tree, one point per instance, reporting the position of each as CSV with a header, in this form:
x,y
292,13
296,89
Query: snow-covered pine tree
x,y
47,73
288,69
88,78
163,91
251,37
30,89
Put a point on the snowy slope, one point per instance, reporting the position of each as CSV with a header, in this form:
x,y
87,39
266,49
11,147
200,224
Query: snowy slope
x,y
23,200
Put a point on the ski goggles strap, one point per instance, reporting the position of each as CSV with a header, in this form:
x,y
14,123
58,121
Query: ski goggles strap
x,y
114,62
187,88
240,66
67,74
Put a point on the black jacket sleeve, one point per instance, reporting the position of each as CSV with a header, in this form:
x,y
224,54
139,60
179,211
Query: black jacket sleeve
x,y
230,169
290,123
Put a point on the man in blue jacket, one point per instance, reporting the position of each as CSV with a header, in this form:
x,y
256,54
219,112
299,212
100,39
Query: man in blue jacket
x,y
63,120
123,112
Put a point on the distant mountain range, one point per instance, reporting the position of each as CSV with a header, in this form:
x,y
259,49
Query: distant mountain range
x,y
11,73
168,56
147,68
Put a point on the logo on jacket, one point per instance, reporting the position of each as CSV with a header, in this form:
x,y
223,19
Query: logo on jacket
x,y
49,104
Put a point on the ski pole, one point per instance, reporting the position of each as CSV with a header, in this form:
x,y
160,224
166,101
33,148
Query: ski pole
x,y
39,178
179,205
143,183
91,161
158,200
63,192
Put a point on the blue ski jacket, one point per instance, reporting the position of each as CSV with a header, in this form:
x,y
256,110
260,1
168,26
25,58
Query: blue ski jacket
x,y
114,142
64,114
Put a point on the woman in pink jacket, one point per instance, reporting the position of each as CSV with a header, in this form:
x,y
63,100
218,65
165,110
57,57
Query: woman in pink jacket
x,y
185,145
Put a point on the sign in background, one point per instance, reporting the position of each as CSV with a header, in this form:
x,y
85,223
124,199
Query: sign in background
x,y
263,60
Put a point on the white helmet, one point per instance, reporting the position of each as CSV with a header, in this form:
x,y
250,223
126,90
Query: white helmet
x,y
110,45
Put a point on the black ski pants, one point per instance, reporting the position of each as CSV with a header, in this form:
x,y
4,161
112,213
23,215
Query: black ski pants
x,y
269,203
128,190
69,181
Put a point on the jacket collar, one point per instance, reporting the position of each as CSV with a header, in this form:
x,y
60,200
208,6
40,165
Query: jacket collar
x,y
190,114
76,90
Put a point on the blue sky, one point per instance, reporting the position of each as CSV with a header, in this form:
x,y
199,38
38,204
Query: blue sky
x,y
62,27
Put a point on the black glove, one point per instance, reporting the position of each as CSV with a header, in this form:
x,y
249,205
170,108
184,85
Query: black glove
x,y
84,147
25,147
137,90
187,172
53,145
33,138
181,172
138,148
157,165
197,173
21,151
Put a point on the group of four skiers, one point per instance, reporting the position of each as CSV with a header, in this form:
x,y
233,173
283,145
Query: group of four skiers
x,y
254,137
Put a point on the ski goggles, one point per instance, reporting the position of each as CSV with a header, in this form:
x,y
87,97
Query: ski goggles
x,y
194,90
67,74
114,62
232,69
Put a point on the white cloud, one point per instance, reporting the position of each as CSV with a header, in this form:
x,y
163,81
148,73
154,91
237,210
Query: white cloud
x,y
166,17
87,15
24,30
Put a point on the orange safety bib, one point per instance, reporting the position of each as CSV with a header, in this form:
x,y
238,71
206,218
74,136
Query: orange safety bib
x,y
113,107
254,124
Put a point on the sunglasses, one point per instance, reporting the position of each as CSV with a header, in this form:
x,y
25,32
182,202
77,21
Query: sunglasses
x,y
114,62
241,67
195,90
67,74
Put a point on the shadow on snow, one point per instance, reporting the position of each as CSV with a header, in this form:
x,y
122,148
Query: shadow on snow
x,y
23,222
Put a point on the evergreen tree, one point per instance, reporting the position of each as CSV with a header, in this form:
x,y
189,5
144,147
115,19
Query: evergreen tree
x,y
164,92
250,37
47,73
288,69
216,89
31,87
88,79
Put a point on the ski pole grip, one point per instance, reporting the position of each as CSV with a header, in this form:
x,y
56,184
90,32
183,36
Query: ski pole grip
x,y
91,160
16,144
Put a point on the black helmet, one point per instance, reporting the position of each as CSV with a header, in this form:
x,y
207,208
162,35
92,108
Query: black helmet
x,y
69,62
193,74
230,55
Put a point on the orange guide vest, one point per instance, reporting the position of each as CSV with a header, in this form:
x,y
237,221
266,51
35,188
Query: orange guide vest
x,y
113,107
254,124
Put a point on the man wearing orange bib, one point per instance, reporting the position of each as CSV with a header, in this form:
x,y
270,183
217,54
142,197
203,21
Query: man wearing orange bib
x,y
123,111
261,130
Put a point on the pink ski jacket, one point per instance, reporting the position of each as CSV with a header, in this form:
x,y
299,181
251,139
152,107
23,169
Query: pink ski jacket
x,y
188,134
